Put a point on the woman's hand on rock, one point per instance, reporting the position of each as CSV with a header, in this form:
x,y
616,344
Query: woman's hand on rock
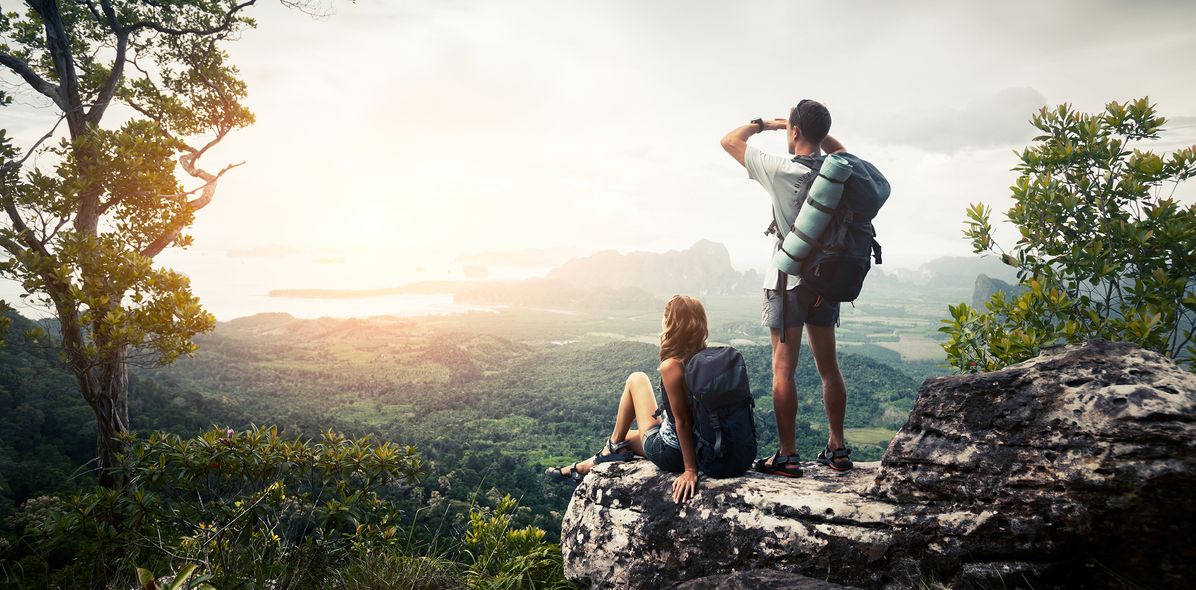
x,y
685,486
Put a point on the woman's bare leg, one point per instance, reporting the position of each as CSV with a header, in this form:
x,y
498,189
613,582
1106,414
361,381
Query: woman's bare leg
x,y
637,403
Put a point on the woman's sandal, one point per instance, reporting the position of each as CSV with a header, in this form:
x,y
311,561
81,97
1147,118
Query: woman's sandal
x,y
619,451
788,466
558,473
838,459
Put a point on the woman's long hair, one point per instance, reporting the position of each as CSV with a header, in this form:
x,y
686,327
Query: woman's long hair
x,y
685,330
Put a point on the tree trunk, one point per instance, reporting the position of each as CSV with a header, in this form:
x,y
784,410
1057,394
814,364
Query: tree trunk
x,y
111,406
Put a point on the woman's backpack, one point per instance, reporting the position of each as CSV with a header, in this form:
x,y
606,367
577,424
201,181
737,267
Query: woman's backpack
x,y
721,405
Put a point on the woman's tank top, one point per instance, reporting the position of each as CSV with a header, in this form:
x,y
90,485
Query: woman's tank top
x,y
668,434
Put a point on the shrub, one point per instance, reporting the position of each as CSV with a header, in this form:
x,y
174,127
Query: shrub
x,y
248,508
1105,250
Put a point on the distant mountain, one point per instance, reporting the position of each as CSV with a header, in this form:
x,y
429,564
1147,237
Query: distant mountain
x,y
986,287
958,270
703,269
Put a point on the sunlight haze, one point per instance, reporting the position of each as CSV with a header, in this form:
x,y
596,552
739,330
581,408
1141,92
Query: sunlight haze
x,y
393,137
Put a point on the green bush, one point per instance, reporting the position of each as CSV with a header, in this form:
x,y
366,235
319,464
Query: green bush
x,y
498,556
253,509
1105,250
249,508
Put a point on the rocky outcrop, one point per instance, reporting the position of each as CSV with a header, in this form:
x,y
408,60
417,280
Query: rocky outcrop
x,y
758,580
1076,468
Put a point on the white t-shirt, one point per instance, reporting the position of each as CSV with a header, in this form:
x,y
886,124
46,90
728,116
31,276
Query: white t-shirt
x,y
778,175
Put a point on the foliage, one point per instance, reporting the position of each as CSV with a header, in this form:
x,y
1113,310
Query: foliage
x,y
503,557
253,509
83,220
1106,251
47,431
246,507
82,234
487,414
185,579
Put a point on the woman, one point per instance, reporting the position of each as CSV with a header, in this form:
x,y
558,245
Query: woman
x,y
670,446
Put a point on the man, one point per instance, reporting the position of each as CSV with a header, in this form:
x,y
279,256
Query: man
x,y
806,130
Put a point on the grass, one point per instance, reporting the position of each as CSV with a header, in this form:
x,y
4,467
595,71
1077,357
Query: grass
x,y
915,348
869,436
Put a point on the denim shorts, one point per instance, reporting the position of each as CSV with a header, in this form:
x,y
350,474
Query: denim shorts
x,y
803,306
661,454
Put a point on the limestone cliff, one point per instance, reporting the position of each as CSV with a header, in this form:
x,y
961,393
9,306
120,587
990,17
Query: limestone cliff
x,y
1074,469
702,269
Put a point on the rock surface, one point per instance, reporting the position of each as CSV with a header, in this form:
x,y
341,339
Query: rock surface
x,y
1076,468
758,580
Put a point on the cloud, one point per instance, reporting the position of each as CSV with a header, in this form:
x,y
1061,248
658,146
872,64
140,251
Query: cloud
x,y
1183,122
994,120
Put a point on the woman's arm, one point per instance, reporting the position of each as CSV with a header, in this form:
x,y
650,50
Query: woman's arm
x,y
672,373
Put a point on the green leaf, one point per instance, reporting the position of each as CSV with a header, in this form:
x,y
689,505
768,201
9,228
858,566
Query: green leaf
x,y
182,577
146,579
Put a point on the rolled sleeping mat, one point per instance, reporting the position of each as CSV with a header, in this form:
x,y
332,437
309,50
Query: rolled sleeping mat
x,y
814,216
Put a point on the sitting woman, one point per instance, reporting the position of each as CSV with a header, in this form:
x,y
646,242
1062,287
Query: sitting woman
x,y
670,446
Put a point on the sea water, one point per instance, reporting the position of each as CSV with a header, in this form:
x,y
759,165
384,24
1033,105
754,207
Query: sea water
x,y
232,284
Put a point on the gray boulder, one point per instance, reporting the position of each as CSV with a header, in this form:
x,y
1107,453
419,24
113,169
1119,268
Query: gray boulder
x,y
1072,469
758,580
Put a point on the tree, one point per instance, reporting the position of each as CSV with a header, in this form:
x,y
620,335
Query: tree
x,y
81,236
1106,251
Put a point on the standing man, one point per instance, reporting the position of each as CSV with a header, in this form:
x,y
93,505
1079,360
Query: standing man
x,y
806,130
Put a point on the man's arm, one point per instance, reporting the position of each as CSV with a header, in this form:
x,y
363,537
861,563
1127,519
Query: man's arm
x,y
735,142
831,145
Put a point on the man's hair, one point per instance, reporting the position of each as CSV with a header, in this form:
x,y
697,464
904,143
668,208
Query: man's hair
x,y
812,118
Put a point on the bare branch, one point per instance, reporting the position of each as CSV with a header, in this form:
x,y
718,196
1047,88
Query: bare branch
x,y
220,28
115,200
118,66
61,222
59,46
197,154
7,166
91,6
12,247
209,190
41,85
22,229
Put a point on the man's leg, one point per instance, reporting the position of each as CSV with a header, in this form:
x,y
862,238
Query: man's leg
x,y
784,388
834,391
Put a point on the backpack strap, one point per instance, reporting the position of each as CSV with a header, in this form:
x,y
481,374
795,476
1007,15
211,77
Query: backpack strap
x,y
829,179
715,426
783,291
819,206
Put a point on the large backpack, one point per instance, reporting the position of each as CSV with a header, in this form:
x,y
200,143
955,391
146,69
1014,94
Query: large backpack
x,y
844,252
721,404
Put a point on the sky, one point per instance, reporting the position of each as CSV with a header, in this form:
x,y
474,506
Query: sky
x,y
394,136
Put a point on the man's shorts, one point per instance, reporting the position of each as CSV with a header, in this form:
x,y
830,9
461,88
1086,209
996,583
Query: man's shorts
x,y
803,307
